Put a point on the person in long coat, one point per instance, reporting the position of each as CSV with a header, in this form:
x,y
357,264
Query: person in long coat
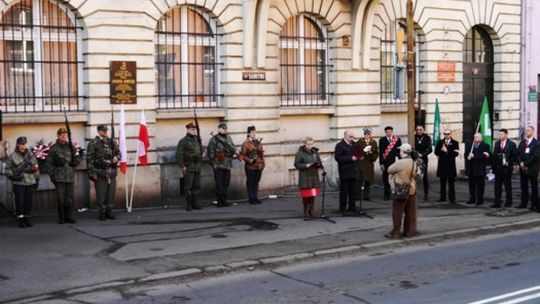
x,y
344,154
504,159
529,162
367,164
447,150
477,158
308,162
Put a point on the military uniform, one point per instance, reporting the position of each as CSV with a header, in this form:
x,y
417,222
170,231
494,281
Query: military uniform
x,y
103,171
62,172
220,153
188,155
252,154
23,171
367,165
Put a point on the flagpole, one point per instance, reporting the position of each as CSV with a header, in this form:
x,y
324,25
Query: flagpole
x,y
134,176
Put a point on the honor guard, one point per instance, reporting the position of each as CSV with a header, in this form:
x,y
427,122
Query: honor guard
x,y
61,164
102,159
188,157
221,151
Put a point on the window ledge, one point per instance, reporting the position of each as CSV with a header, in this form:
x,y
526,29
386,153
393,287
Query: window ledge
x,y
43,117
311,110
393,108
188,113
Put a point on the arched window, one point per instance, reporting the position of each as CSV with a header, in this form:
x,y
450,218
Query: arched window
x,y
303,63
40,63
478,46
186,52
393,63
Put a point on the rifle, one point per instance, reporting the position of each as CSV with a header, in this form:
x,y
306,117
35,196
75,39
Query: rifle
x,y
71,146
199,139
112,145
16,175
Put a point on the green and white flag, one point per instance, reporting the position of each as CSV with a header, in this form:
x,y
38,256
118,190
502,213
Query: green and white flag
x,y
437,124
484,124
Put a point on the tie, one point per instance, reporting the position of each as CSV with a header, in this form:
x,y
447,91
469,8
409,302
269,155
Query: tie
x,y
502,145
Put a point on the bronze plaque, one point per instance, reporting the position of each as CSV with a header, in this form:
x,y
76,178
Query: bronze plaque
x,y
446,71
123,82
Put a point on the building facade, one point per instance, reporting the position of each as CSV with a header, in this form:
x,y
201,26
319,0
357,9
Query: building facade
x,y
530,64
292,68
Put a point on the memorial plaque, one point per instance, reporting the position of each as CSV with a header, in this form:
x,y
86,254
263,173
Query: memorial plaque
x,y
446,71
123,82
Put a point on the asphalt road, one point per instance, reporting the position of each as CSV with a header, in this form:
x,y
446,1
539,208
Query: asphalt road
x,y
494,269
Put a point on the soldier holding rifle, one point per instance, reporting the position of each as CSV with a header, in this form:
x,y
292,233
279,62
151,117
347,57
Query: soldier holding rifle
x,y
252,154
221,151
188,157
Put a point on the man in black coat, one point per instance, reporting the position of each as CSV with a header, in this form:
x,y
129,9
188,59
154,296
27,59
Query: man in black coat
x,y
447,150
528,153
388,151
504,159
422,145
348,171
476,160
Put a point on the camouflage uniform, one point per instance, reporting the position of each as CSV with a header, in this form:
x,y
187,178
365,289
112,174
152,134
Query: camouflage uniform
x,y
62,173
103,171
220,153
188,155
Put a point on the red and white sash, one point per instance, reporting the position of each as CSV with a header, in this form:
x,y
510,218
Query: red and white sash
x,y
390,147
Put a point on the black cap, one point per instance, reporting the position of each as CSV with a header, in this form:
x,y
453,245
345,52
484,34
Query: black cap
x,y
251,128
222,125
22,140
388,128
102,127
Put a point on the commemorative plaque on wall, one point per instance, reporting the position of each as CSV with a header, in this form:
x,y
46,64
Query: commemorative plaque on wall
x,y
123,82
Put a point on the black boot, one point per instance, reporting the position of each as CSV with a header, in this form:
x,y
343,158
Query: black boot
x,y
109,215
61,215
27,221
68,215
194,203
102,215
20,220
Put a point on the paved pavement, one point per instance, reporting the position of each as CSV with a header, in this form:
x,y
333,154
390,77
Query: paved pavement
x,y
52,261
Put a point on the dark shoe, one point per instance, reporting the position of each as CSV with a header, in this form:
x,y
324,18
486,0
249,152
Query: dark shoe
x,y
109,215
521,206
452,201
196,207
479,203
252,202
508,205
61,215
392,236
102,216
495,205
258,201
441,200
226,204
28,222
470,202
21,222
367,198
69,215
188,208
533,209
351,209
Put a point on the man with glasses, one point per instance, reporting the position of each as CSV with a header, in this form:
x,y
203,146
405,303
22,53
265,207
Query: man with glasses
x,y
423,146
477,157
348,171
388,153
447,150
528,153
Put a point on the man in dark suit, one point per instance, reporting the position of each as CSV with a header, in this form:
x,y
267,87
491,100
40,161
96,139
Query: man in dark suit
x,y
528,153
447,150
348,171
423,146
389,150
477,158
504,159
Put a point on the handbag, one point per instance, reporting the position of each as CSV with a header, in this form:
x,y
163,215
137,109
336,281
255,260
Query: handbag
x,y
401,192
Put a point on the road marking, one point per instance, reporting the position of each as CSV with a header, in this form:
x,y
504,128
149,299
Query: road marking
x,y
522,299
508,295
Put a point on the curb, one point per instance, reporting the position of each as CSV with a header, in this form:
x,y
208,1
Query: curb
x,y
273,262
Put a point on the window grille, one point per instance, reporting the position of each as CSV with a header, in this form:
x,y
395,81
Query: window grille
x,y
40,58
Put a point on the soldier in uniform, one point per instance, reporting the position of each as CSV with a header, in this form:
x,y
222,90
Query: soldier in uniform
x,y
252,154
220,153
188,156
102,159
371,153
62,172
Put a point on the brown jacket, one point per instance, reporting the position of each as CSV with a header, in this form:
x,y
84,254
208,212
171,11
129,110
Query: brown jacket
x,y
401,172
367,163
252,153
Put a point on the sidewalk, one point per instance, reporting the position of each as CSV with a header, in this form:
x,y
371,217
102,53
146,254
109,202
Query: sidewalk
x,y
59,261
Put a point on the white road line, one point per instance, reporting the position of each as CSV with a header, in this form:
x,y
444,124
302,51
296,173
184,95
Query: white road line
x,y
522,299
507,295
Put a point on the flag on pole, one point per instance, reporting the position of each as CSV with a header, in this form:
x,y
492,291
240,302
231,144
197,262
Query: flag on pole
x,y
437,124
122,142
484,124
144,141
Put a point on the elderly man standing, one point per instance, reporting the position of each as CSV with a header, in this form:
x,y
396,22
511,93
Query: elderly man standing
x,y
348,172
447,150
477,157
371,152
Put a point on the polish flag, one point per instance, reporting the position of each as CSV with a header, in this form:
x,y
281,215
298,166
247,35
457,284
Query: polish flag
x,y
144,141
122,142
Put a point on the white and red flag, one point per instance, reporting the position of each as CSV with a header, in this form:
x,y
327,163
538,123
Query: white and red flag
x,y
122,142
144,141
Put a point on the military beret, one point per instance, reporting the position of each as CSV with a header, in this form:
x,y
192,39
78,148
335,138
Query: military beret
x,y
22,140
251,128
61,131
368,130
222,125
102,127
191,125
